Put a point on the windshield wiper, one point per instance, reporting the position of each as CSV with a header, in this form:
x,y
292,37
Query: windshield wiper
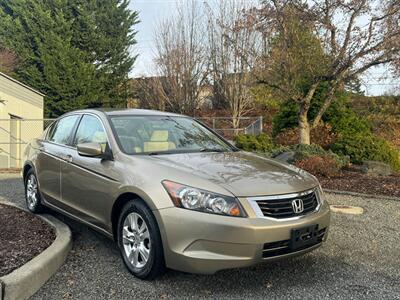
x,y
153,153
212,150
176,151
185,151
161,152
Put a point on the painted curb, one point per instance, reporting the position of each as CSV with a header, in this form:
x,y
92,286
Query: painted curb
x,y
347,209
27,280
361,195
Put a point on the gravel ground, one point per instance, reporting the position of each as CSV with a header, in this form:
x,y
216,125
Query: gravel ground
x,y
361,260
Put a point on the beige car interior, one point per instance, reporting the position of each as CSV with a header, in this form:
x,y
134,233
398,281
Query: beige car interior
x,y
158,141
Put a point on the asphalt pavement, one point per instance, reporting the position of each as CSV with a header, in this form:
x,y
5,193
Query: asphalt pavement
x,y
361,260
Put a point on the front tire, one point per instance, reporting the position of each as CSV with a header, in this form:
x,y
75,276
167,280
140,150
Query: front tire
x,y
32,193
139,241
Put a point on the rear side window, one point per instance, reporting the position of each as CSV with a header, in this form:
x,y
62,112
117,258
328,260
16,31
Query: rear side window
x,y
49,131
90,130
61,132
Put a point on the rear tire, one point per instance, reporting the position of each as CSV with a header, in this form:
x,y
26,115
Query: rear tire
x,y
139,241
32,193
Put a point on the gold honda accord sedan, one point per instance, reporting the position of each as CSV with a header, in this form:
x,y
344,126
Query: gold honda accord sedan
x,y
172,193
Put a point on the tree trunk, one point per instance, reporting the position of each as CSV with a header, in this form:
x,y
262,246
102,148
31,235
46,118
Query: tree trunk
x,y
304,132
327,103
304,125
235,124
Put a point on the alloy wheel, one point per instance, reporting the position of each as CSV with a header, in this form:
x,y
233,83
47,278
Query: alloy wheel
x,y
136,240
32,191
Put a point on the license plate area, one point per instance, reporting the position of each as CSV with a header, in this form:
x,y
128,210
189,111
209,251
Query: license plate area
x,y
303,237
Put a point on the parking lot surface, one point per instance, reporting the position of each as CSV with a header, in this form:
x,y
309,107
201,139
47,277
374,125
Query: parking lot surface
x,y
361,260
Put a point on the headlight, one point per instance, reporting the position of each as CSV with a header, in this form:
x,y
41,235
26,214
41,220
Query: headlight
x,y
321,194
196,199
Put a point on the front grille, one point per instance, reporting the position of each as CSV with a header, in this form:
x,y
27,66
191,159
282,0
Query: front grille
x,y
281,207
283,247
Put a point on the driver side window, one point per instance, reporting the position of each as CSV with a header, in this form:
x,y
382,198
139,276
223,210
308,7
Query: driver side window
x,y
90,130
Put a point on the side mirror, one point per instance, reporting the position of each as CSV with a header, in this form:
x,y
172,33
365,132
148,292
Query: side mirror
x,y
90,150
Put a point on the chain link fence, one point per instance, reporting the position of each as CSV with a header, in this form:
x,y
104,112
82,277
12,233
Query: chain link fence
x,y
224,125
16,133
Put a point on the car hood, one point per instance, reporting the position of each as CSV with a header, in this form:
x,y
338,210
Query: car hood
x,y
243,174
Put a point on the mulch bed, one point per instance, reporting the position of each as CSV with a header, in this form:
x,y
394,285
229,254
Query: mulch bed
x,y
353,181
22,237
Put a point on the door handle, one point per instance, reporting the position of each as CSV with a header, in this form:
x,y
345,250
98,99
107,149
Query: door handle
x,y
68,158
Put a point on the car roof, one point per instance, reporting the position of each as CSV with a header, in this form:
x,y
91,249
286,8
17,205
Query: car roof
x,y
126,111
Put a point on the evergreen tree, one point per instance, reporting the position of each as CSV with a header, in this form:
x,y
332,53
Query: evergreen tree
x,y
76,52
103,31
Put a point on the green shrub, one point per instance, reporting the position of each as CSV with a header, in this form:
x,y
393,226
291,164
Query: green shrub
x,y
346,122
361,147
287,117
255,143
356,143
262,144
357,140
306,151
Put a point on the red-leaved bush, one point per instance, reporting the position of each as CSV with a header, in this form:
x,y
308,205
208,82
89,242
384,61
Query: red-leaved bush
x,y
319,166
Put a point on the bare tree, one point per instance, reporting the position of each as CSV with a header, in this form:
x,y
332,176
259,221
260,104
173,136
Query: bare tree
x,y
181,58
233,47
149,93
355,35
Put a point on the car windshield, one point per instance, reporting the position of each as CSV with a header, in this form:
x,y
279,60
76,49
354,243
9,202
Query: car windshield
x,y
165,134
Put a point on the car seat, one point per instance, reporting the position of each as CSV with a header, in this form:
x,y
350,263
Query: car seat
x,y
159,142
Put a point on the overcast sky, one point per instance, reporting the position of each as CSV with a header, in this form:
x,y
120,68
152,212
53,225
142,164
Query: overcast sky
x,y
152,11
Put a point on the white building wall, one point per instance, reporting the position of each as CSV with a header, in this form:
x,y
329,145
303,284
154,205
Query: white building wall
x,y
18,102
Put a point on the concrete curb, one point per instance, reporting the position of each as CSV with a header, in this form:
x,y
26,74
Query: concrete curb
x,y
27,280
361,195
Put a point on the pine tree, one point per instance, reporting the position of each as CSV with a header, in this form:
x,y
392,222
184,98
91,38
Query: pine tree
x,y
76,52
103,31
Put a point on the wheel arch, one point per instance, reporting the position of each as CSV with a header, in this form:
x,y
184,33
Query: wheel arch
x,y
119,203
28,166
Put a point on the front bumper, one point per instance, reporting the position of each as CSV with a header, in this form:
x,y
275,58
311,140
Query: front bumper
x,y
204,243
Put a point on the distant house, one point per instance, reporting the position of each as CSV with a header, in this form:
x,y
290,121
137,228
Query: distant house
x,y
21,119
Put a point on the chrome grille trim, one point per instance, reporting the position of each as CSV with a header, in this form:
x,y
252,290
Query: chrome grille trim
x,y
254,202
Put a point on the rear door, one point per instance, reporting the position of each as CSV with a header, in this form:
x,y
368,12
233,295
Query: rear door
x,y
51,156
86,183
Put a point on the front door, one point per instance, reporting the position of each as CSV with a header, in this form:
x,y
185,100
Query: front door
x,y
86,182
